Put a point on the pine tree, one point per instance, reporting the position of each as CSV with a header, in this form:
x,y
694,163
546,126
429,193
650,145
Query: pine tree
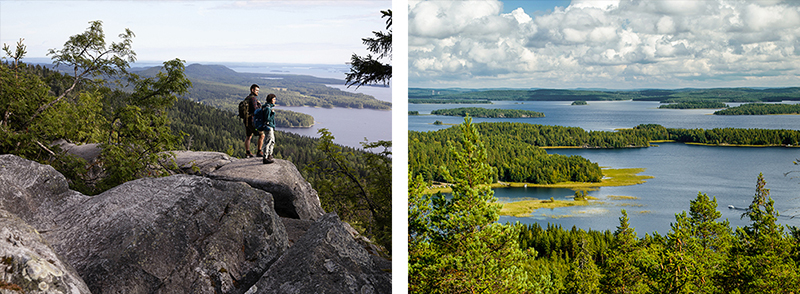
x,y
456,244
761,260
368,70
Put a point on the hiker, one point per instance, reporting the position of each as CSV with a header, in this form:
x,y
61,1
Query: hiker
x,y
269,115
250,128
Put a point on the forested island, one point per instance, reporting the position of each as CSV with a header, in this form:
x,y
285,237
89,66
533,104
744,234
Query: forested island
x,y
422,95
579,102
487,112
760,109
717,136
512,153
516,155
694,105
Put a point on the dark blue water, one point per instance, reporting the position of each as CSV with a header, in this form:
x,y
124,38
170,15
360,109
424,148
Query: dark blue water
x,y
680,171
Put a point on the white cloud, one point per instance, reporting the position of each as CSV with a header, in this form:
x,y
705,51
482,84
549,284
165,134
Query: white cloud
x,y
613,44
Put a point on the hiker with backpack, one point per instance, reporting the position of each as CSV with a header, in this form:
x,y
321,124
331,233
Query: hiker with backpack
x,y
246,109
267,124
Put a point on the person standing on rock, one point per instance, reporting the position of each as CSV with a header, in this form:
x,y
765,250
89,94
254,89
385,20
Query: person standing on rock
x,y
269,113
249,126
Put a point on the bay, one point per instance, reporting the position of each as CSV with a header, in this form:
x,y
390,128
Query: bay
x,y
680,171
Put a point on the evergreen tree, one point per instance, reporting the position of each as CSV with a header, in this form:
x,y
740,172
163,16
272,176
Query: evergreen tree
x,y
584,275
695,250
456,244
363,195
368,70
761,260
622,273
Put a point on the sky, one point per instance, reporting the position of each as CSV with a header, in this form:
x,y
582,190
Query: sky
x,y
623,44
303,32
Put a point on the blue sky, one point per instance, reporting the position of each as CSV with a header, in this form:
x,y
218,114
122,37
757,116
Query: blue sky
x,y
613,44
307,32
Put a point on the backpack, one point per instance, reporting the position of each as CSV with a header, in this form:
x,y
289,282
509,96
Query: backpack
x,y
260,119
243,113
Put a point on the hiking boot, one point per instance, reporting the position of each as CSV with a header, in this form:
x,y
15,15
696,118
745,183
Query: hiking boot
x,y
249,155
260,154
268,160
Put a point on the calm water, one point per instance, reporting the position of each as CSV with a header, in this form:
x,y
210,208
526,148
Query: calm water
x,y
680,171
607,116
348,126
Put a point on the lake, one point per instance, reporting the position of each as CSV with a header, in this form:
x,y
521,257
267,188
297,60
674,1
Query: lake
x,y
606,116
680,171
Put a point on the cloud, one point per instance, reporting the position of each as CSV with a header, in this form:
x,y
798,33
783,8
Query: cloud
x,y
612,44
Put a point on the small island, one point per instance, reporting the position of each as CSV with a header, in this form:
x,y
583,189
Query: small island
x,y
291,119
413,112
760,109
579,102
488,113
695,105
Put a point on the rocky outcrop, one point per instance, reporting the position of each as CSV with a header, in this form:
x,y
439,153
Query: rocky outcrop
x,y
29,265
34,192
326,259
199,162
171,235
185,233
294,196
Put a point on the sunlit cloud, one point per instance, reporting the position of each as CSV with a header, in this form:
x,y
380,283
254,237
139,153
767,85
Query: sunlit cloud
x,y
605,44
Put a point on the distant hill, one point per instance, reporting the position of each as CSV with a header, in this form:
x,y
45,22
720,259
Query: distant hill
x,y
222,87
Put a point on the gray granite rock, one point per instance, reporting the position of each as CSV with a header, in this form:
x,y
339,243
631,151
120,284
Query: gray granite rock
x,y
294,196
174,234
29,265
326,259
34,192
200,162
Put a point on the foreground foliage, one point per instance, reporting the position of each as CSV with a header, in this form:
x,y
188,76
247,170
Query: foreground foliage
x,y
455,245
131,127
359,192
